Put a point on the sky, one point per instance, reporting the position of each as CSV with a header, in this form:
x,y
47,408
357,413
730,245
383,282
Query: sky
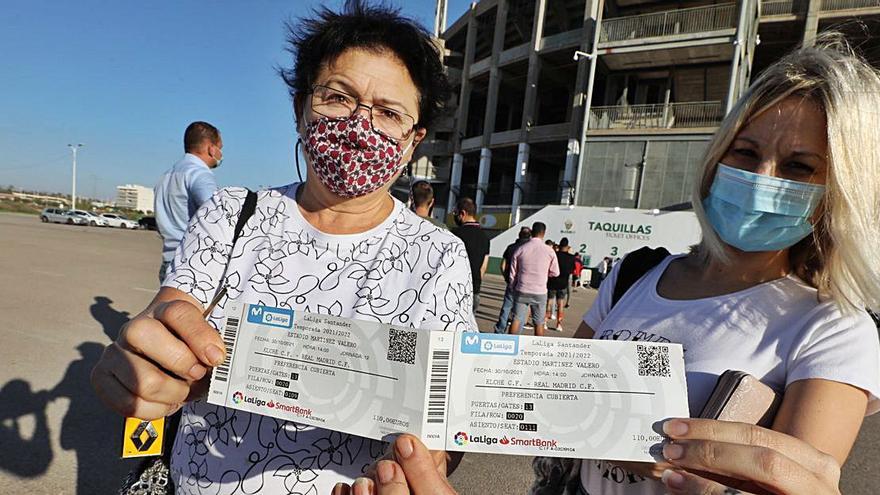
x,y
125,78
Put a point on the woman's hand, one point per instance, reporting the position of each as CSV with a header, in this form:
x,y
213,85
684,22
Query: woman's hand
x,y
159,359
413,471
650,470
752,459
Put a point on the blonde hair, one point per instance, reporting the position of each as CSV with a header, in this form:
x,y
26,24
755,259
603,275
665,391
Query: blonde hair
x,y
842,257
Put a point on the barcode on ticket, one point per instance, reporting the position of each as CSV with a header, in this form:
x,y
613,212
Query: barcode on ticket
x,y
230,331
437,387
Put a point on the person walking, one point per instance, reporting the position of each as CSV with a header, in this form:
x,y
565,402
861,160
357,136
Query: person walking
x,y
525,234
557,287
475,242
422,194
186,186
576,274
604,268
530,267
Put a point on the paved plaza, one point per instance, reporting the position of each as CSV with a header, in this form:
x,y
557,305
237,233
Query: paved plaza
x,y
64,293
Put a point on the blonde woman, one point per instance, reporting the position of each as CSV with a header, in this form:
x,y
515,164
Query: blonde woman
x,y
789,202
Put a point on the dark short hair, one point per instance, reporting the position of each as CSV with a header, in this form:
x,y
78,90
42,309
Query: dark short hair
x,y
467,205
525,233
563,242
538,228
422,193
197,133
323,37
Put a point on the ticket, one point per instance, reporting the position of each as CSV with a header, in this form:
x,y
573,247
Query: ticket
x,y
557,397
460,391
346,375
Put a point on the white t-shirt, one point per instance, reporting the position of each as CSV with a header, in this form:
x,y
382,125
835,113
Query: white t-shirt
x,y
777,331
405,271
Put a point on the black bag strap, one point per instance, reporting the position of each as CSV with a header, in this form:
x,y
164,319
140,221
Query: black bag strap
x,y
172,422
247,211
635,266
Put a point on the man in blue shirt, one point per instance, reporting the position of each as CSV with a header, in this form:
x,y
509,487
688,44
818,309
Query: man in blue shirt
x,y
188,184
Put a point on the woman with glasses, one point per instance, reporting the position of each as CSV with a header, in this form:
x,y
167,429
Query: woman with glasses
x,y
365,85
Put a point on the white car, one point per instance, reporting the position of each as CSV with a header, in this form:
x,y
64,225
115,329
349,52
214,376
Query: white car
x,y
114,220
90,218
72,218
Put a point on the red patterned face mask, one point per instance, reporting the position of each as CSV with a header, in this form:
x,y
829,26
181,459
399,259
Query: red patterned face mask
x,y
349,157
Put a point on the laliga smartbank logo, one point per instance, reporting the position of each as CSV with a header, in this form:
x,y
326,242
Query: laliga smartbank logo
x,y
239,398
476,343
461,438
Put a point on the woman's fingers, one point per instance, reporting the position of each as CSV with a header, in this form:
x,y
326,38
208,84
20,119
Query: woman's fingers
x,y
363,486
684,483
341,489
645,469
143,378
185,319
390,479
802,453
763,466
419,467
118,398
148,337
415,471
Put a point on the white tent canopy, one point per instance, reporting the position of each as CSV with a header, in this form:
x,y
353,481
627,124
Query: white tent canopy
x,y
596,232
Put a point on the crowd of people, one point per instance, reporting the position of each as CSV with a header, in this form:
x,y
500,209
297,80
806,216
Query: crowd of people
x,y
788,198
560,280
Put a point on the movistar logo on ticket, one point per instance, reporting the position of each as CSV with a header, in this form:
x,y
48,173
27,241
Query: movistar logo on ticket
x,y
460,391
264,315
477,343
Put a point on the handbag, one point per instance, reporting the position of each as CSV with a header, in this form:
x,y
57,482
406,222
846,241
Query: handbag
x,y
153,475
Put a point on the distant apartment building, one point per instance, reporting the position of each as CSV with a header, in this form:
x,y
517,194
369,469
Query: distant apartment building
x,y
136,197
664,75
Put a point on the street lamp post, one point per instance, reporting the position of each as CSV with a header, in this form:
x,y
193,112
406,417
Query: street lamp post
x,y
440,18
73,148
597,10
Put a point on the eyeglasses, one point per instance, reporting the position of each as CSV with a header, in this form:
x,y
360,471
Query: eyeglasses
x,y
338,105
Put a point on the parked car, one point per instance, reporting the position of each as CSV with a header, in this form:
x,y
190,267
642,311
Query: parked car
x,y
73,218
54,215
148,223
114,220
91,219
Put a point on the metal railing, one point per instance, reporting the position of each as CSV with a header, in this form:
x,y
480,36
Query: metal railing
x,y
831,5
532,192
777,7
542,193
658,116
669,23
496,193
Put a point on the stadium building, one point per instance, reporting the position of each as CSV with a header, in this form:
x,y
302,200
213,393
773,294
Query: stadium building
x,y
653,78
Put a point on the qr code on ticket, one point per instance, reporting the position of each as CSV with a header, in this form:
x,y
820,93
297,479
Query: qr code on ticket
x,y
402,346
653,360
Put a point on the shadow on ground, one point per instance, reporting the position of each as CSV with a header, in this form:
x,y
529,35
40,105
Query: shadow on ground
x,y
88,428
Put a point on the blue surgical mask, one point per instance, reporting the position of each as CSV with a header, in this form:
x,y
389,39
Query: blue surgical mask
x,y
754,212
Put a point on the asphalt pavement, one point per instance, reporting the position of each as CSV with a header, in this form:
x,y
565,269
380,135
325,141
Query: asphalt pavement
x,y
64,293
